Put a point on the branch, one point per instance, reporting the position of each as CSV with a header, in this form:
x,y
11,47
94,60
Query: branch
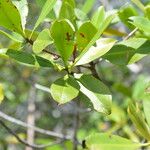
x,y
76,126
93,70
130,34
56,56
25,142
39,130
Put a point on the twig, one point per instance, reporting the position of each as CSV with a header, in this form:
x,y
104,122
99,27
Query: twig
x,y
76,126
39,130
25,142
56,56
93,70
130,34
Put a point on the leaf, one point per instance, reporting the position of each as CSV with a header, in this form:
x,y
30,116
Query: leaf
x,y
146,106
84,35
44,39
125,12
43,62
139,121
98,17
64,89
103,45
1,93
80,14
88,6
109,17
139,4
147,11
10,17
141,23
71,2
141,51
34,34
104,141
125,50
48,6
67,11
97,92
62,32
138,91
21,56
22,6
10,36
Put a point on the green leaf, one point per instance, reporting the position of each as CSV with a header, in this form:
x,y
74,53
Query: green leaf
x,y
62,32
48,6
1,93
84,35
136,58
10,17
43,62
34,34
139,121
80,14
103,45
98,17
139,4
67,11
125,12
64,89
141,23
104,141
22,6
138,91
70,2
146,105
147,11
88,6
44,39
125,50
10,36
21,56
97,92
109,17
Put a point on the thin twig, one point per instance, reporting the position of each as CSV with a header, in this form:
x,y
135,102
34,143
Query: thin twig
x,y
25,142
93,70
56,56
37,129
76,126
130,34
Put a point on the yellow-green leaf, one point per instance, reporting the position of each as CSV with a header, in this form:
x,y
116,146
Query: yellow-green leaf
x,y
1,93
10,17
104,141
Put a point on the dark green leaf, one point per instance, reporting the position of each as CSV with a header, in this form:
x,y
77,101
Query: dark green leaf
x,y
97,92
21,56
44,62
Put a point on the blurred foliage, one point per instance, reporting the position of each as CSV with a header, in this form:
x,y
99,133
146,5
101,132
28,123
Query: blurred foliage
x,y
128,83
